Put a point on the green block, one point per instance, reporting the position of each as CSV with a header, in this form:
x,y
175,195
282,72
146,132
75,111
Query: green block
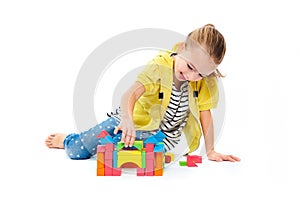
x,y
143,159
137,144
182,163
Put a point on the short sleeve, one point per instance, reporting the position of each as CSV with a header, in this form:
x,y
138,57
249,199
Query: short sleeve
x,y
208,96
149,76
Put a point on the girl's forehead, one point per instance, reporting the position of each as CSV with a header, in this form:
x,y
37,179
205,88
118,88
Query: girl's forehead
x,y
200,59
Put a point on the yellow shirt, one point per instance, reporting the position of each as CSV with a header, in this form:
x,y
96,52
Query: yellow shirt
x,y
158,77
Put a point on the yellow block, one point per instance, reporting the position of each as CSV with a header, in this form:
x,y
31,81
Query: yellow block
x,y
130,156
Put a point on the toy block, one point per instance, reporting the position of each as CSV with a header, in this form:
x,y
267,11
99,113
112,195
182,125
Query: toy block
x,y
129,153
160,136
159,147
102,134
100,172
108,163
116,172
182,163
151,140
100,160
149,155
169,155
108,155
130,165
101,148
158,172
108,171
192,160
143,158
140,172
149,147
138,144
107,139
115,159
168,159
159,160
109,147
149,171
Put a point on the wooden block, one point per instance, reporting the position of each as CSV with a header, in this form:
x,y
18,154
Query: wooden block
x,y
108,171
116,172
158,160
100,160
158,172
101,148
100,172
140,172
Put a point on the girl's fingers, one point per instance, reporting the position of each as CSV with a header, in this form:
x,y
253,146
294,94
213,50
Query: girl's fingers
x,y
117,129
132,140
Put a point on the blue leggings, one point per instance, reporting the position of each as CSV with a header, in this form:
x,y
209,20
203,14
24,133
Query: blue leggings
x,y
84,145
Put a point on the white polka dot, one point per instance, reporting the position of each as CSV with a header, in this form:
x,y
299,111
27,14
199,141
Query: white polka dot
x,y
82,140
78,156
94,149
71,154
110,120
100,126
76,141
108,126
93,134
82,147
85,135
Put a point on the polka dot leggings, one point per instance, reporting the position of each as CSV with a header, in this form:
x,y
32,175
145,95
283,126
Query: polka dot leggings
x,y
84,145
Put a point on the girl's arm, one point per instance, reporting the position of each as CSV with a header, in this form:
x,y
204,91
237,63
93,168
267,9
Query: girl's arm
x,y
208,132
127,105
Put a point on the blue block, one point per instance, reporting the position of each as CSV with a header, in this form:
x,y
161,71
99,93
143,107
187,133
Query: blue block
x,y
159,147
160,136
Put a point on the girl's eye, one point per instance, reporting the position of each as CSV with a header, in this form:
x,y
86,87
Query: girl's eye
x,y
201,75
189,67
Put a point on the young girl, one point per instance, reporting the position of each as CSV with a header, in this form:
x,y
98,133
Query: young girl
x,y
174,94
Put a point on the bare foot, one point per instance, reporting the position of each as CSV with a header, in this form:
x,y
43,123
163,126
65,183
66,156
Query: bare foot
x,y
56,140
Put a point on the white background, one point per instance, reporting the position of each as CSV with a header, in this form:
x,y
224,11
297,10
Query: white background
x,y
43,45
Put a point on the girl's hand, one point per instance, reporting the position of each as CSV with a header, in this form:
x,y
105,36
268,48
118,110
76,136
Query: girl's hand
x,y
214,156
128,132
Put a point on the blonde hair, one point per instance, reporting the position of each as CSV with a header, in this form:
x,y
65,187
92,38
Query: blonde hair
x,y
213,41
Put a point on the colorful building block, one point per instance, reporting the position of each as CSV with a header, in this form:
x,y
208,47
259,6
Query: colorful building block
x,y
148,157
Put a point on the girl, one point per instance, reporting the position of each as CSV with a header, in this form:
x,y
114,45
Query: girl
x,y
174,94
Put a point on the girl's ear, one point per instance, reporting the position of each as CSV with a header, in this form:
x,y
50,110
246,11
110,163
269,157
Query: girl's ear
x,y
181,47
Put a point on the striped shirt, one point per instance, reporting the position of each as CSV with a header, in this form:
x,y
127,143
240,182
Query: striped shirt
x,y
175,117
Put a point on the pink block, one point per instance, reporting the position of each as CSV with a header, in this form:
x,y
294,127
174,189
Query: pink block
x,y
140,172
108,162
149,155
149,171
108,155
100,148
109,146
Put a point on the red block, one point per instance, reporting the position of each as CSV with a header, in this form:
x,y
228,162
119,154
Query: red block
x,y
102,134
192,160
116,172
149,147
108,171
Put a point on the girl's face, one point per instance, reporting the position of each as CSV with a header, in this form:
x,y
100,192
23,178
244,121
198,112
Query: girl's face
x,y
185,70
192,65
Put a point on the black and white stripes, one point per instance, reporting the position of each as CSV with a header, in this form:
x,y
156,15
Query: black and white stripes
x,y
174,119
176,115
